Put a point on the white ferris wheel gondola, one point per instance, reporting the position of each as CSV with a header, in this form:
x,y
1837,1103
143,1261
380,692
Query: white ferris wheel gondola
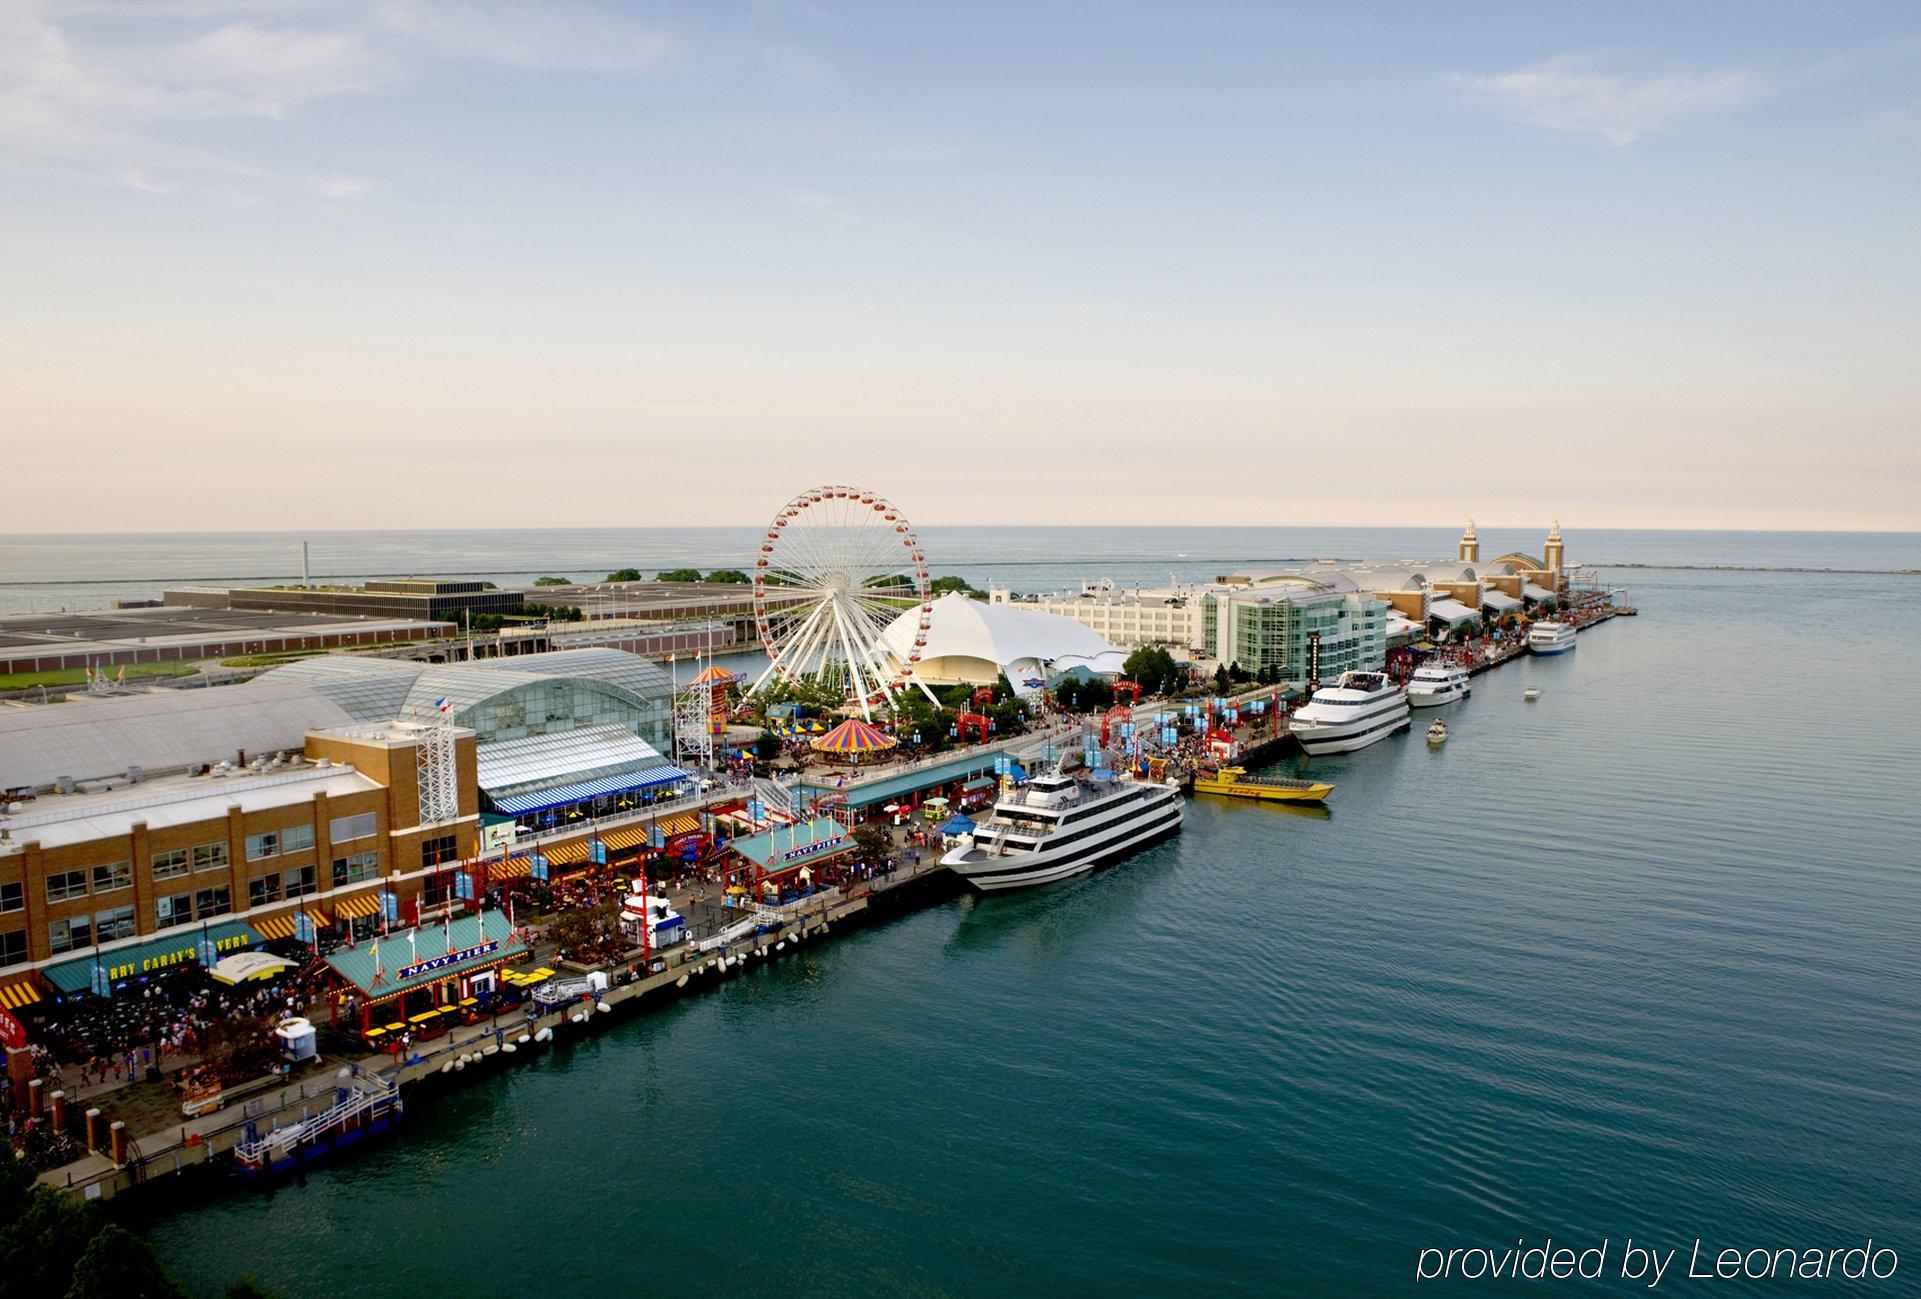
x,y
839,565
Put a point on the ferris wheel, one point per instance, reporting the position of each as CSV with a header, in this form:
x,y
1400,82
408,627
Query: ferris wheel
x,y
838,567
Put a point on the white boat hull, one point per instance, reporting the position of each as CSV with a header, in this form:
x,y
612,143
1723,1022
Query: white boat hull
x,y
1320,740
1550,649
1431,699
995,872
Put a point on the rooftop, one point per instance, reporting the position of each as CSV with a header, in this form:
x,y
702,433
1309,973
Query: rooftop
x,y
159,731
55,820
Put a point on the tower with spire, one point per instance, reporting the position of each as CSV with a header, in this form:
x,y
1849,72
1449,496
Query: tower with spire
x,y
1470,545
1552,554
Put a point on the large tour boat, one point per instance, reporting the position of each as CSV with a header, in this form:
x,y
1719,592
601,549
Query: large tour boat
x,y
1437,683
1062,825
1550,637
1354,712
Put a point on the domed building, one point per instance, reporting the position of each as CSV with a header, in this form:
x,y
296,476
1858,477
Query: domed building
x,y
971,642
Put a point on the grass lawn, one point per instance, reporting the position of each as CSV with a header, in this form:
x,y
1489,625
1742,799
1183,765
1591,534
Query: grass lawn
x,y
77,676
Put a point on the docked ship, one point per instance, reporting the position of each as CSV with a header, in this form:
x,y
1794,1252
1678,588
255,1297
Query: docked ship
x,y
1354,712
1236,783
1060,826
1437,683
1550,637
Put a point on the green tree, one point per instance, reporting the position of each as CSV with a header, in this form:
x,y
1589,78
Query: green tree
x,y
872,843
553,581
767,747
1221,679
727,576
40,1241
624,575
942,585
678,575
1155,669
119,1265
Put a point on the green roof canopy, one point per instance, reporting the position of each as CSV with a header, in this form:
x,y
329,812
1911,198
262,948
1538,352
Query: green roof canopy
x,y
437,952
789,847
866,793
151,957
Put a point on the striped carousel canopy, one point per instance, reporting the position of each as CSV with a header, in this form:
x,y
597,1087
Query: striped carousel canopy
x,y
854,736
715,675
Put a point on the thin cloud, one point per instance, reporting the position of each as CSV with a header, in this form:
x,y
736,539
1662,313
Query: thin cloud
x,y
1572,93
75,92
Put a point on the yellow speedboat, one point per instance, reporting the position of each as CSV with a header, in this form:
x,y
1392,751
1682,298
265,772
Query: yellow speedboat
x,y
1236,783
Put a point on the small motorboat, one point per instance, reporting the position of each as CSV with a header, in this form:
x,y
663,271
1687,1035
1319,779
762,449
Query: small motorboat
x,y
1236,783
1437,733
1531,694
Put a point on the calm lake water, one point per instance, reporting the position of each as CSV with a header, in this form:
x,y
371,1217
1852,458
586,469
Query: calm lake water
x,y
1642,958
87,571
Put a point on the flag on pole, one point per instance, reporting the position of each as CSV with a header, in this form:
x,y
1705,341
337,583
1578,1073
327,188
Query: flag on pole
x,y
380,971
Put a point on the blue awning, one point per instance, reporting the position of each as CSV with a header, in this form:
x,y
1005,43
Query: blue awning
x,y
957,825
560,795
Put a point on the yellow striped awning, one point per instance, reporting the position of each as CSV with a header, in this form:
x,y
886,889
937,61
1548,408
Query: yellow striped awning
x,y
359,906
510,868
318,913
280,926
567,853
20,992
628,836
679,823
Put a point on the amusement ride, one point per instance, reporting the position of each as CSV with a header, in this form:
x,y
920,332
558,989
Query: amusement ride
x,y
837,567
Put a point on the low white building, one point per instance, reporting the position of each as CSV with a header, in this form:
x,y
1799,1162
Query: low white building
x,y
971,642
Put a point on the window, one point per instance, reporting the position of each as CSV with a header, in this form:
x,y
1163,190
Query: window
x,y
356,869
301,881
13,948
13,897
114,923
441,848
296,838
176,910
263,890
66,935
114,875
212,902
210,857
170,865
263,845
344,828
66,884
439,889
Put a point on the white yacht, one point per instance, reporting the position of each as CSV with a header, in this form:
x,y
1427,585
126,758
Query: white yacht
x,y
1354,712
1437,683
1061,825
1550,637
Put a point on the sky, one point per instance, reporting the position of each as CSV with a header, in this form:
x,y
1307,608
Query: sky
x,y
441,263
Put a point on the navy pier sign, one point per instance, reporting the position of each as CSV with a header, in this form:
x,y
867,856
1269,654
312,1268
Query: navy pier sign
x,y
808,850
433,963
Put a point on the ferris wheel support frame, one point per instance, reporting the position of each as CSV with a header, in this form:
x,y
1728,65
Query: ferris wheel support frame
x,y
857,580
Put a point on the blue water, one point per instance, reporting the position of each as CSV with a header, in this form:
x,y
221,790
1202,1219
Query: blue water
x,y
1642,958
82,571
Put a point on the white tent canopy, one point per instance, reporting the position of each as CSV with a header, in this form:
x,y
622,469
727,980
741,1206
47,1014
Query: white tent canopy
x,y
242,966
1499,601
1535,593
1451,612
969,640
